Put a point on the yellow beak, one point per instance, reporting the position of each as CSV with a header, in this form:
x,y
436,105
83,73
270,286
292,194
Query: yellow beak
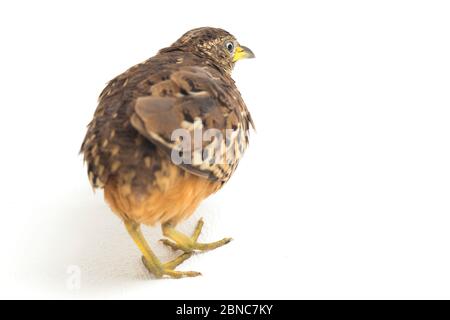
x,y
242,52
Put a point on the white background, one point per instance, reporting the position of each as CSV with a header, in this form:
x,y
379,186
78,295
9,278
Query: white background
x,y
344,192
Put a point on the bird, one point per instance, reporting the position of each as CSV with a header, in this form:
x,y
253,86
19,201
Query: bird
x,y
131,153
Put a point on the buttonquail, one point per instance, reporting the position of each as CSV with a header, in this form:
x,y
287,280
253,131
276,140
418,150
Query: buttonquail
x,y
130,147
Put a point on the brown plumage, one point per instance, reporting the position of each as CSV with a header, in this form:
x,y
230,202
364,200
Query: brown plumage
x,y
128,144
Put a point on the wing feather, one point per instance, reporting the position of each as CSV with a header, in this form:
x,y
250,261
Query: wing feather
x,y
202,105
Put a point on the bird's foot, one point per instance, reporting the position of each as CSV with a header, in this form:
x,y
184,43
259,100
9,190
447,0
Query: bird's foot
x,y
168,268
189,244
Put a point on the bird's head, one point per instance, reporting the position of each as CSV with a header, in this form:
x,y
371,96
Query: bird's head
x,y
215,44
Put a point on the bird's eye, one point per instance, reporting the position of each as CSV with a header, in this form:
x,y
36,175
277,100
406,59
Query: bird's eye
x,y
230,47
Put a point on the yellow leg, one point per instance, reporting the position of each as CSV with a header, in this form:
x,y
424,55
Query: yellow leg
x,y
189,244
150,260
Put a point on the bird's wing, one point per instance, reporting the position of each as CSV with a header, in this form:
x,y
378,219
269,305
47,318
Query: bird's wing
x,y
197,111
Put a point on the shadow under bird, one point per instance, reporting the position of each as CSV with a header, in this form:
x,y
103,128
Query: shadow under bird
x,y
129,146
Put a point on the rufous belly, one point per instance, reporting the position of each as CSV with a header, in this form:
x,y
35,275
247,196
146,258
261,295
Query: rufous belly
x,y
172,197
